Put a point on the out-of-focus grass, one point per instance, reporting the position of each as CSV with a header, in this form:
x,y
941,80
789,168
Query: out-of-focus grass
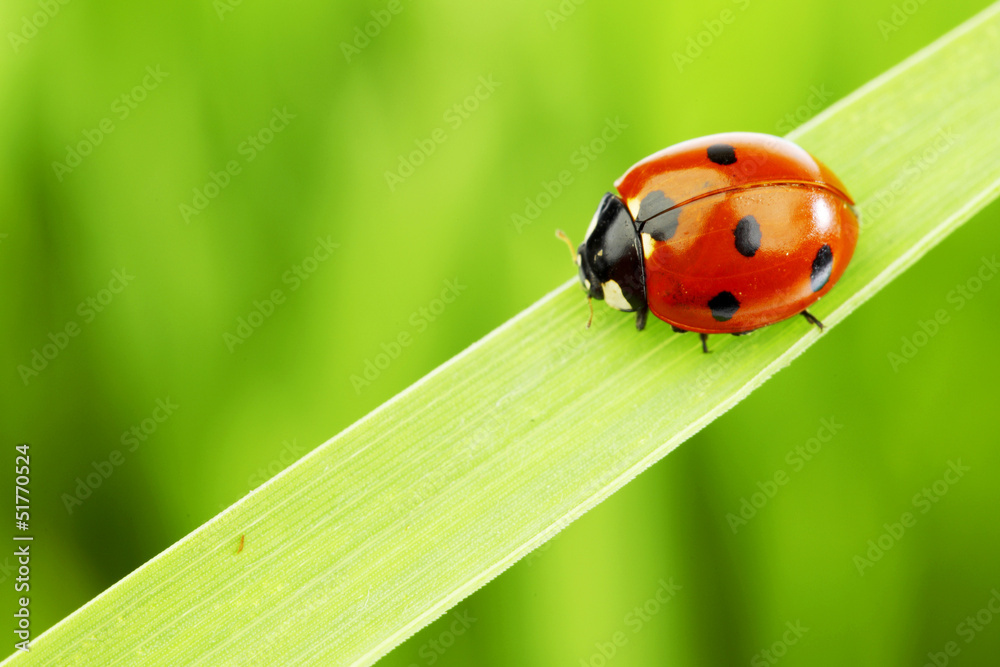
x,y
411,509
244,415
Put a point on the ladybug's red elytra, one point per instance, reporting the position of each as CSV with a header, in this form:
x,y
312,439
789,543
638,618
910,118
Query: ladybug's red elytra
x,y
723,234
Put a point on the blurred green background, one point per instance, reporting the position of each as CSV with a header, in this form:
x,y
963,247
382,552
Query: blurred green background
x,y
279,139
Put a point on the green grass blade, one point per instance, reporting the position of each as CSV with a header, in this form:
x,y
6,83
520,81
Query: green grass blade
x,y
393,521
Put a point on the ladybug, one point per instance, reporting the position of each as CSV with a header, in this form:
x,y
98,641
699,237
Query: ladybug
x,y
723,234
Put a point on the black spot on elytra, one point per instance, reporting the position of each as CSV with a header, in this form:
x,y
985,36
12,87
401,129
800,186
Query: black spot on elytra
x,y
654,203
664,226
722,154
821,268
724,305
747,235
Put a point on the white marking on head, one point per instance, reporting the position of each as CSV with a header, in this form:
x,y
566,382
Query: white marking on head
x,y
586,283
614,297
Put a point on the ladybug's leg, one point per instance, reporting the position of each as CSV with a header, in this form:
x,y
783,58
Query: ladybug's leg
x,y
812,319
640,318
704,343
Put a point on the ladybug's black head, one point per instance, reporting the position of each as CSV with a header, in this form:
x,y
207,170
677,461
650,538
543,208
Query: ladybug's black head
x,y
610,258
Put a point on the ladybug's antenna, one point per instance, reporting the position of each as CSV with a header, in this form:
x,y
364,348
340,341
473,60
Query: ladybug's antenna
x,y
561,235
590,304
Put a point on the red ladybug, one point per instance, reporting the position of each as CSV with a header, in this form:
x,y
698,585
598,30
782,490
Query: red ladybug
x,y
723,234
